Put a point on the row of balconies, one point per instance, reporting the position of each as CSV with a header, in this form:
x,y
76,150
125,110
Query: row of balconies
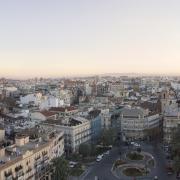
x,y
9,175
20,174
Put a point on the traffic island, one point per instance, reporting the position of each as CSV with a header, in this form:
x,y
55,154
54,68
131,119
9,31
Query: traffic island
x,y
132,172
134,156
133,164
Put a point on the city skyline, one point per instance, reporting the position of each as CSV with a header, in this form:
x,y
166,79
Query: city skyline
x,y
69,38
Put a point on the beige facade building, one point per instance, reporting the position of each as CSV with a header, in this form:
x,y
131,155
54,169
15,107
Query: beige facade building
x,y
30,159
2,134
135,121
171,122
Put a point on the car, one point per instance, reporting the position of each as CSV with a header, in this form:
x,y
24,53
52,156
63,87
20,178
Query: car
x,y
72,164
99,158
137,145
132,143
106,153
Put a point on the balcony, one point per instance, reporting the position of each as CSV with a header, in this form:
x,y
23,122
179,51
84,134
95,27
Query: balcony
x,y
45,158
29,170
8,175
38,163
44,153
37,158
19,177
18,168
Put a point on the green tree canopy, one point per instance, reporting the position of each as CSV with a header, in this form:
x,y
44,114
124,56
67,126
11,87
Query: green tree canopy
x,y
108,137
176,149
85,150
61,169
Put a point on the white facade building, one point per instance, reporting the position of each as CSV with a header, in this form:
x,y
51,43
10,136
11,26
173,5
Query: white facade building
x,y
76,132
31,98
105,118
48,102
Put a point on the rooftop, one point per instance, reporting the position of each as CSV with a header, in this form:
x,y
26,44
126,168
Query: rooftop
x,y
48,113
71,121
63,109
15,153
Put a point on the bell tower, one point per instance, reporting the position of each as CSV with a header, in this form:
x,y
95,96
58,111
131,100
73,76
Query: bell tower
x,y
165,100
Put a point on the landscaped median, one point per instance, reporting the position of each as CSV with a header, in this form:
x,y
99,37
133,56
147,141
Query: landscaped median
x,y
134,156
133,164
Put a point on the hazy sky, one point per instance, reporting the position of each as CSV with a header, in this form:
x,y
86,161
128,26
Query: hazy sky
x,y
72,37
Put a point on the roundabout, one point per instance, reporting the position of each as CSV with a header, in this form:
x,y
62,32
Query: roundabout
x,y
134,156
133,164
132,172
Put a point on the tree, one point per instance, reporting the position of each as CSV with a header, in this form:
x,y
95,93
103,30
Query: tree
x,y
61,169
85,150
108,137
153,134
93,150
176,149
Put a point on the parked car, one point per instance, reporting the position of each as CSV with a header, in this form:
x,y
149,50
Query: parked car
x,y
72,164
99,158
107,153
132,143
135,144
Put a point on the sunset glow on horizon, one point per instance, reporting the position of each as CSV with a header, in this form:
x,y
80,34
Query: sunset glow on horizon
x,y
65,38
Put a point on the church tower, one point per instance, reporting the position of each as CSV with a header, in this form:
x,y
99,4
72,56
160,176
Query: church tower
x,y
165,100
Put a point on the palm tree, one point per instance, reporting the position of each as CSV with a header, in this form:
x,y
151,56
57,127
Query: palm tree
x,y
61,169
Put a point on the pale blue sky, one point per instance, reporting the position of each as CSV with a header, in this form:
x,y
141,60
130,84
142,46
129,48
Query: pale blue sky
x,y
67,37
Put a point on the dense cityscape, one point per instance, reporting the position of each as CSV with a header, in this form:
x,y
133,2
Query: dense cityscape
x,y
89,90
99,127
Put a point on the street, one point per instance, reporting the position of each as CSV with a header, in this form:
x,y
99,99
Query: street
x,y
102,169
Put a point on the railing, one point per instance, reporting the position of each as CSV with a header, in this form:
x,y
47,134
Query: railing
x,y
17,169
8,176
44,172
29,170
37,158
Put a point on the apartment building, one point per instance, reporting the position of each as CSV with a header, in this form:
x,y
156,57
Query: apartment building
x,y
170,123
29,159
64,111
135,121
77,130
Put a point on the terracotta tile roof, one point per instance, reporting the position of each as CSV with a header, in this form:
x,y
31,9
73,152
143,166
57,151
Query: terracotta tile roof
x,y
63,109
48,113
